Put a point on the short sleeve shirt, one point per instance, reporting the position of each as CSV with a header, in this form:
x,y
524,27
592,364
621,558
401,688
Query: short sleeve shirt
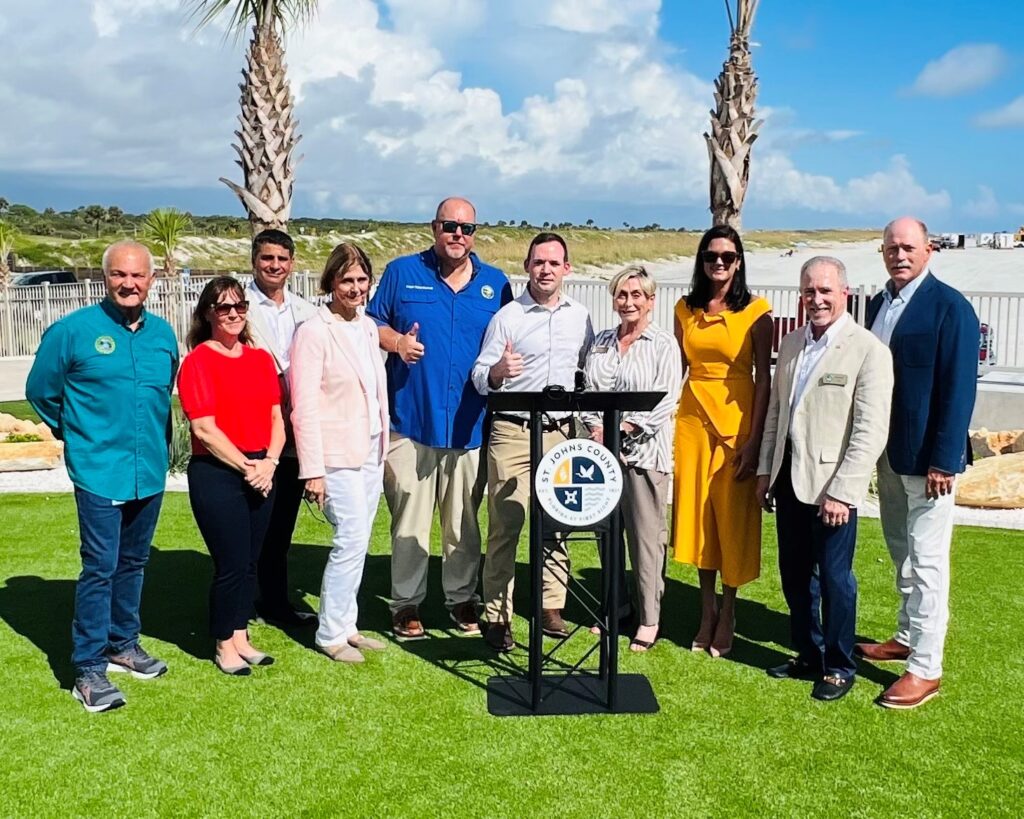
x,y
239,393
434,401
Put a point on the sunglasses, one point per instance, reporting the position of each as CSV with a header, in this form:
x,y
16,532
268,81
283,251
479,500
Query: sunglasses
x,y
450,226
225,307
728,257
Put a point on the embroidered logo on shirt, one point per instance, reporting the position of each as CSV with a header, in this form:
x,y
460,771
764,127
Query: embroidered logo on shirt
x,y
418,287
105,345
487,291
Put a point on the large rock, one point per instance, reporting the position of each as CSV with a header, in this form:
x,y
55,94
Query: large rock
x,y
993,483
30,456
9,425
985,443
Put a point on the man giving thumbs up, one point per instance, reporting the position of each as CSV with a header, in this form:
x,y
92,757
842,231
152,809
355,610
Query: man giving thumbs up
x,y
432,309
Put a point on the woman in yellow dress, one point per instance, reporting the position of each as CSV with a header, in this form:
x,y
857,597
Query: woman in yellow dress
x,y
726,337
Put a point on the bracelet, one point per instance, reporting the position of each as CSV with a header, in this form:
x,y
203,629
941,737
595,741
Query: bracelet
x,y
274,461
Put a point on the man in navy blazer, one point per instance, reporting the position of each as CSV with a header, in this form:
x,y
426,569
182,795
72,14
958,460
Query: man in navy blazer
x,y
933,334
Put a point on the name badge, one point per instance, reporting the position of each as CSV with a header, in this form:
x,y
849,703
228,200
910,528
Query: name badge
x,y
601,348
833,379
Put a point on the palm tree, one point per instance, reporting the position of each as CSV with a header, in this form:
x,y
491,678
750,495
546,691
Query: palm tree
x,y
268,134
7,234
733,128
165,227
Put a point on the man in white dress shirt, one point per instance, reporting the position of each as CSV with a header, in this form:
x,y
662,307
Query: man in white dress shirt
x,y
536,340
275,315
826,426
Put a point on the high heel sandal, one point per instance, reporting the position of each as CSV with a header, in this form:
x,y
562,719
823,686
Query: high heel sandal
x,y
700,645
720,650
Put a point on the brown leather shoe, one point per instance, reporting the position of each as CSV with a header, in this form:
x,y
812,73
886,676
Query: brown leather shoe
x,y
552,624
889,651
909,691
465,617
406,625
499,637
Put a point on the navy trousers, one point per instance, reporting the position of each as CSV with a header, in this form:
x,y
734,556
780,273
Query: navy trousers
x,y
816,564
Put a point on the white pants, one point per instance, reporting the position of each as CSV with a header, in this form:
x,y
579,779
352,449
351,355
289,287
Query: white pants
x,y
350,506
918,532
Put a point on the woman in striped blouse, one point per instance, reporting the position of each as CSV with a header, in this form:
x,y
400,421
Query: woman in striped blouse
x,y
638,356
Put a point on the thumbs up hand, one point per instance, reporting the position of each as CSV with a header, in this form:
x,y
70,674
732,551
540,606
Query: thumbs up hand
x,y
408,345
510,365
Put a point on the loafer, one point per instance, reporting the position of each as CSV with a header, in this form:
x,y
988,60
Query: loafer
x,y
499,637
909,691
832,687
364,643
406,625
343,653
793,669
465,617
890,651
552,623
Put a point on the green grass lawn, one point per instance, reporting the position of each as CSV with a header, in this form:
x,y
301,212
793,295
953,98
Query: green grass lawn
x,y
408,734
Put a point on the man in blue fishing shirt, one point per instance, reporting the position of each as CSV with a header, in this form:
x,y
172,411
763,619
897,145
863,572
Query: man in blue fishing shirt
x,y
102,381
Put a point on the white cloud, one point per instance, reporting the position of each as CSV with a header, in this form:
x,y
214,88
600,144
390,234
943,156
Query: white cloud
x,y
984,204
960,70
1010,115
390,125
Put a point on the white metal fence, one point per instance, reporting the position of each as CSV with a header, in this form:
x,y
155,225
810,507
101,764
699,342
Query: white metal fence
x,y
28,311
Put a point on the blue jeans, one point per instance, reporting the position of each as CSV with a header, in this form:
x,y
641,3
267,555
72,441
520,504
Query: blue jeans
x,y
115,548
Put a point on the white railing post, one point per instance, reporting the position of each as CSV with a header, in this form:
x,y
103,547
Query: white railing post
x,y
47,308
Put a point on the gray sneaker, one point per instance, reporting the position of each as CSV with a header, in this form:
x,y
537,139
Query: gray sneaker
x,y
136,661
96,692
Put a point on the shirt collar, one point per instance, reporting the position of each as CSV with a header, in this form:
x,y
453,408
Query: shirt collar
x,y
263,298
909,289
430,258
115,314
526,299
829,336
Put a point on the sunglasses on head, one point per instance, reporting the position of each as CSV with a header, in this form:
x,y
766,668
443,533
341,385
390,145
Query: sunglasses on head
x,y
450,226
225,307
727,257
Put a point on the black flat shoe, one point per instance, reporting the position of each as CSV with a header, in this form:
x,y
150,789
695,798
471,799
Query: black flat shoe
x,y
258,659
832,687
232,670
793,669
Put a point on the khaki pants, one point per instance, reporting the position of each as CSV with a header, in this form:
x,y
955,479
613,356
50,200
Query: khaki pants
x,y
416,478
508,499
644,505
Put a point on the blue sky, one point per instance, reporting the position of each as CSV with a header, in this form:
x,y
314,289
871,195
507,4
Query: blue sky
x,y
541,109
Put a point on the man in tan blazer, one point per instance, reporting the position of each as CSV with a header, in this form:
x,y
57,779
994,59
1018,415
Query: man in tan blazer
x,y
828,419
275,313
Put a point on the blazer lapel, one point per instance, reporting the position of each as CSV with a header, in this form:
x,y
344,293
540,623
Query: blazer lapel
x,y
918,310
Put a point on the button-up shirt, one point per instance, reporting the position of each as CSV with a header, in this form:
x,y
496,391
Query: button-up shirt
x,y
279,318
433,401
552,341
653,363
893,305
106,392
809,358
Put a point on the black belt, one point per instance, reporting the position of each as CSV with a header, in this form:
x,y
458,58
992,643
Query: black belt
x,y
546,426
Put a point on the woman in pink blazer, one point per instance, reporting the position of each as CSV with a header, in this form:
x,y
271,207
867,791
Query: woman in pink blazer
x,y
340,417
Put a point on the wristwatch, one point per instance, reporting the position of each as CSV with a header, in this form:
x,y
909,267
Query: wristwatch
x,y
274,461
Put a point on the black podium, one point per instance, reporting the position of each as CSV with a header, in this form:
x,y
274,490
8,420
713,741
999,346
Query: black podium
x,y
572,689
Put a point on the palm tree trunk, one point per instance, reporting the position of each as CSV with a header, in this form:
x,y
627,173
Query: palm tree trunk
x,y
733,127
268,134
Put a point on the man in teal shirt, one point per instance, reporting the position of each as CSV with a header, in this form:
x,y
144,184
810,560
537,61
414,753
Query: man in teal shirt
x,y
102,381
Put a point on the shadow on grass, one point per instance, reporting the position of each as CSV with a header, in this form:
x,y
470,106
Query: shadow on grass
x,y
175,610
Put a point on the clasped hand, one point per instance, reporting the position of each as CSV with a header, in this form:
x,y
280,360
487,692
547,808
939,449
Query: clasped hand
x,y
259,474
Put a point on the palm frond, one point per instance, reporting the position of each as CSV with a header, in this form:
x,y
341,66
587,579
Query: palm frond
x,y
248,13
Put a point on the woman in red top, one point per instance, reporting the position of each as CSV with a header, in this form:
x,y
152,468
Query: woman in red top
x,y
231,395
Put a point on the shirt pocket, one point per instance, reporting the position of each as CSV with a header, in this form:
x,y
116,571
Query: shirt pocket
x,y
917,350
415,306
154,369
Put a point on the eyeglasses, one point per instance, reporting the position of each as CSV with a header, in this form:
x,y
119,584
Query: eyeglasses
x,y
450,226
727,257
225,307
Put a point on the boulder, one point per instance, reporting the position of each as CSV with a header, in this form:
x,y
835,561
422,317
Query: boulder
x,y
993,483
9,425
30,456
984,443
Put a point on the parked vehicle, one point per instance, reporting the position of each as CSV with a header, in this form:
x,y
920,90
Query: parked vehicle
x,y
44,277
987,346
